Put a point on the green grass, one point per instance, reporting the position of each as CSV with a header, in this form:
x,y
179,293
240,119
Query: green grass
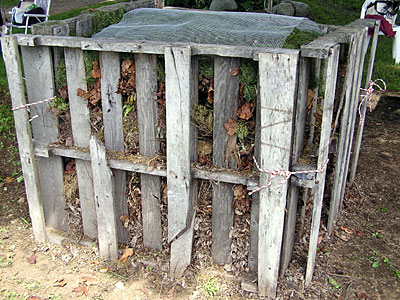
x,y
8,3
76,12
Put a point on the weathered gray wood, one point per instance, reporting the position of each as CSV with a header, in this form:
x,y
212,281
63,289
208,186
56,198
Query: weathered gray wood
x,y
146,89
179,148
147,47
216,175
318,191
255,199
24,136
298,144
360,127
38,70
278,77
356,96
315,102
226,95
104,197
113,129
343,138
80,123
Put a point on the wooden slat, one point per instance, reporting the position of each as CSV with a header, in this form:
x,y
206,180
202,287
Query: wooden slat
x,y
113,130
298,144
104,197
38,69
226,94
130,165
255,199
360,127
24,136
278,80
179,149
318,191
343,138
355,100
80,122
146,89
145,47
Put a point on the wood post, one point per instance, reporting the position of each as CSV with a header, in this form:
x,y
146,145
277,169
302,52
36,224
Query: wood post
x,y
146,89
113,130
38,69
318,190
24,136
104,198
360,127
226,95
298,143
80,122
180,150
278,78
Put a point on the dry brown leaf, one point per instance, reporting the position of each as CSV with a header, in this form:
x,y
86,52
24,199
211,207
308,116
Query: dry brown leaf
x,y
89,280
230,127
236,71
127,253
83,93
127,67
358,233
245,111
59,283
81,290
34,298
347,230
104,270
362,296
320,238
32,260
125,220
310,98
9,179
96,72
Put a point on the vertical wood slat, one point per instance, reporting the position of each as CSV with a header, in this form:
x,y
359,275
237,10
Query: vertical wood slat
x,y
179,152
255,201
39,75
24,136
226,94
343,138
360,128
298,143
80,123
278,77
113,130
362,40
146,89
104,193
318,190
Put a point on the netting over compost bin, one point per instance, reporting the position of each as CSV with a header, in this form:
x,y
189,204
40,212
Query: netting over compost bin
x,y
207,27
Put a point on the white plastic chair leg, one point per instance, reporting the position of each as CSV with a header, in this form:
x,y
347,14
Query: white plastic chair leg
x,y
396,45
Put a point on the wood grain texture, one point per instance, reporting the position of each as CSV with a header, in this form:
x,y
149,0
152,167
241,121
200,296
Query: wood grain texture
x,y
298,145
226,95
362,40
105,208
146,89
360,127
113,129
179,152
255,201
278,80
343,138
318,191
25,146
80,123
39,79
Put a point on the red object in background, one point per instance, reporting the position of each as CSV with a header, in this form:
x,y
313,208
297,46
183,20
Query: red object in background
x,y
385,27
